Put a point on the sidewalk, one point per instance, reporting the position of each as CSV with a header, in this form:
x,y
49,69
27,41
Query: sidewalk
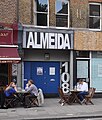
x,y
53,110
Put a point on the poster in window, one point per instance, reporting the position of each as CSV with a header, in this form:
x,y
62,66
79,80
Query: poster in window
x,y
39,70
82,69
52,71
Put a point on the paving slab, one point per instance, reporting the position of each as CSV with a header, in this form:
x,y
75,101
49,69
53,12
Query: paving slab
x,y
53,110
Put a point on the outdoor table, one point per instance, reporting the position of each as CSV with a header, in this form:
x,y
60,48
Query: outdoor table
x,y
74,96
21,96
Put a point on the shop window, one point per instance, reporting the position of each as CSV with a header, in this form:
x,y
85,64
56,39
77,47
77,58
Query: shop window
x,y
95,16
82,54
3,74
62,13
41,12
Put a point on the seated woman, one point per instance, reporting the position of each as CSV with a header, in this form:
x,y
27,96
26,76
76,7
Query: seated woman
x,y
32,89
10,90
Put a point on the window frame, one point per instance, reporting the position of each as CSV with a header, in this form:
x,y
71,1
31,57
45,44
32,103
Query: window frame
x,y
100,17
35,12
63,14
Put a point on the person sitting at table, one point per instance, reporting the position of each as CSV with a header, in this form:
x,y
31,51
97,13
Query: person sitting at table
x,y
10,90
83,88
32,89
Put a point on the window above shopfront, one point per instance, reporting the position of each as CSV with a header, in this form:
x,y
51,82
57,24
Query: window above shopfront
x,y
82,54
62,13
95,13
41,12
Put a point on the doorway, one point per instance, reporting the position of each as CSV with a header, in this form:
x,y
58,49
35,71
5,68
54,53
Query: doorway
x,y
46,75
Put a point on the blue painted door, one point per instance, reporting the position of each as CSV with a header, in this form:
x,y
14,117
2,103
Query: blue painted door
x,y
46,75
27,72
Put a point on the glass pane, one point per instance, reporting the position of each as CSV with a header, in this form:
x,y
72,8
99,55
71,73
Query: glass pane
x,y
3,74
94,22
94,10
42,5
41,19
82,69
96,71
61,20
82,54
62,6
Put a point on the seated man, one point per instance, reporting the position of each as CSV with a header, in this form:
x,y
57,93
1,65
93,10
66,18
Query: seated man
x,y
83,87
32,89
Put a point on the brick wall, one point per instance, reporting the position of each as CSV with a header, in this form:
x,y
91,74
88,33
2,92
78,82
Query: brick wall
x,y
87,40
8,11
79,13
95,0
52,16
25,11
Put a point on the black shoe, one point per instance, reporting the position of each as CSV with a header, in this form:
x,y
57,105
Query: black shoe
x,y
27,106
3,107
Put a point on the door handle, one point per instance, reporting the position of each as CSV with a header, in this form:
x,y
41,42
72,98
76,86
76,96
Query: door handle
x,y
44,83
52,80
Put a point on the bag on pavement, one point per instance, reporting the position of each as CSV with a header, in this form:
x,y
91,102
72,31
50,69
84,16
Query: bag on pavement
x,y
40,97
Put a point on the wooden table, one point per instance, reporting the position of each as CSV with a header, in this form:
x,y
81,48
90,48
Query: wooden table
x,y
74,97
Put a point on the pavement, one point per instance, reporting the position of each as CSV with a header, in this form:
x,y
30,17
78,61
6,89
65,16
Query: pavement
x,y
51,109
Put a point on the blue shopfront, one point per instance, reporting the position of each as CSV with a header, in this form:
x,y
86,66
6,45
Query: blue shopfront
x,y
48,58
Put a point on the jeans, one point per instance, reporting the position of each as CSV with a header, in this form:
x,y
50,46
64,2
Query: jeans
x,y
81,95
27,99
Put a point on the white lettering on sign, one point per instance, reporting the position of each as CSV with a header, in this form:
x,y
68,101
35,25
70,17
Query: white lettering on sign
x,y
48,40
30,40
65,78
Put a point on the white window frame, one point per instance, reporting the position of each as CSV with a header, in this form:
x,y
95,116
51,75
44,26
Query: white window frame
x,y
97,16
35,12
62,14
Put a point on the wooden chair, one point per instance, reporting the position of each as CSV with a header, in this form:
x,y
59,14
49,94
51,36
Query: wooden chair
x,y
63,98
88,98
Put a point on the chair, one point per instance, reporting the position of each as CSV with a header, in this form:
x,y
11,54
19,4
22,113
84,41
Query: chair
x,y
39,100
63,98
88,98
11,101
34,101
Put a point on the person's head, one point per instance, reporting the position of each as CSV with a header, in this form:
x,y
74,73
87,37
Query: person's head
x,y
80,81
12,84
14,80
30,82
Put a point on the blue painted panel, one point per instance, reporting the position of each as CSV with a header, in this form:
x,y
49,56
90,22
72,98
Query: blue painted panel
x,y
48,83
38,74
52,76
46,75
27,71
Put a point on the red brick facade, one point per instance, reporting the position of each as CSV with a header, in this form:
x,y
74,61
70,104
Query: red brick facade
x,y
95,0
21,11
8,11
